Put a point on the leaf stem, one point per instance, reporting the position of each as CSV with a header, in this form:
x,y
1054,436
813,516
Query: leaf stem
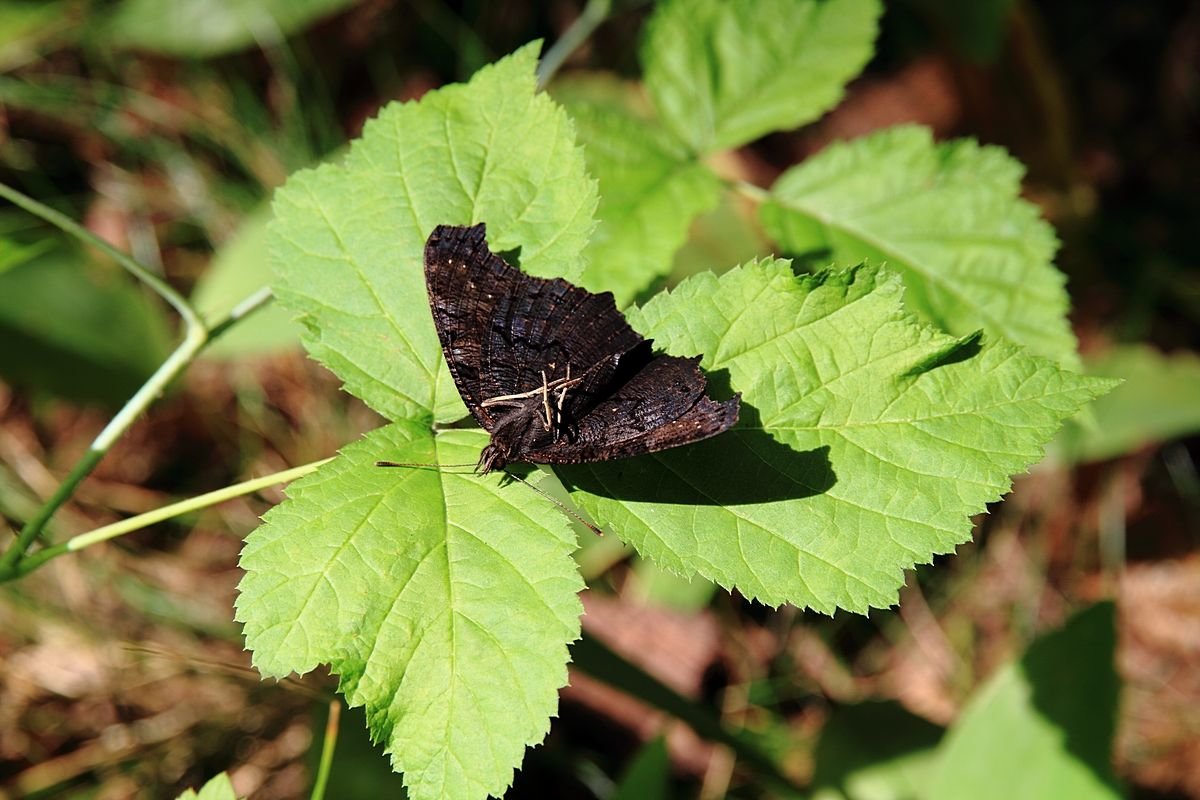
x,y
132,524
749,191
69,226
595,12
196,336
327,747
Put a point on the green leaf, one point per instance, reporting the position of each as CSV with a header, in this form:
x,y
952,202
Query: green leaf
x,y
874,751
650,191
443,601
949,217
1041,728
347,240
218,788
725,72
648,777
866,440
78,329
654,585
1159,400
206,28
239,268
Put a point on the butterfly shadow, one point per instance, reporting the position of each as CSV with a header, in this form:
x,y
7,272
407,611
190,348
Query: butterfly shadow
x,y
743,465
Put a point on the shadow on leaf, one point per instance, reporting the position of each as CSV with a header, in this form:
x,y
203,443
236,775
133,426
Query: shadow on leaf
x,y
743,465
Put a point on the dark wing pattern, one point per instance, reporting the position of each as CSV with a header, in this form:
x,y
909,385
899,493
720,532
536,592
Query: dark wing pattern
x,y
662,406
552,371
500,328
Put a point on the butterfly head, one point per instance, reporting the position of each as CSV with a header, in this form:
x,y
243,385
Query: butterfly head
x,y
495,456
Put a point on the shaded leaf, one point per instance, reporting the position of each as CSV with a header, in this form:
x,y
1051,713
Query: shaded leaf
x,y
949,217
1040,728
443,601
1159,400
205,28
347,240
874,751
647,778
725,72
79,330
866,441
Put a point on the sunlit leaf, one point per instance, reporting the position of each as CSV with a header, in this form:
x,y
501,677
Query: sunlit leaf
x,y
347,239
443,601
948,216
725,72
866,442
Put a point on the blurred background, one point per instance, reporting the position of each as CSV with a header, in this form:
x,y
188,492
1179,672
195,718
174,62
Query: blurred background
x,y
164,128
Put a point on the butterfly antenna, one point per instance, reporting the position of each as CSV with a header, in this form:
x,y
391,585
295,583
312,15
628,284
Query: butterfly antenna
x,y
418,465
578,517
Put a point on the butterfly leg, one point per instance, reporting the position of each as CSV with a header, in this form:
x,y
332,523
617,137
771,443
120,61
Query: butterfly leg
x,y
548,422
562,395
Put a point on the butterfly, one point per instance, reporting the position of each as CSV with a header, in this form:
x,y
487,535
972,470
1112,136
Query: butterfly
x,y
554,372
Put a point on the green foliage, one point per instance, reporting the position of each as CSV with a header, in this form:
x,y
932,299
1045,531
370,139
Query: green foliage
x,y
13,254
1041,728
648,776
725,73
874,751
218,788
239,267
443,601
77,329
650,192
843,393
948,216
1159,400
206,28
347,240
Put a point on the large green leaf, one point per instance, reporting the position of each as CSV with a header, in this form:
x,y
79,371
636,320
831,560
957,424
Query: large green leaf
x,y
866,441
204,28
443,601
76,328
1159,400
347,240
949,217
1041,729
725,72
650,191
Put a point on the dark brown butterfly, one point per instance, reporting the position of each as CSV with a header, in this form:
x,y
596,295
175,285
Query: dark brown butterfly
x,y
553,372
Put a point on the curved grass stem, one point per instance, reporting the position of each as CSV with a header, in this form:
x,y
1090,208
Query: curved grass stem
x,y
595,12
196,335
103,534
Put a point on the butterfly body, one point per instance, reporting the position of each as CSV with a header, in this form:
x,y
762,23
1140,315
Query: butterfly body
x,y
553,372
